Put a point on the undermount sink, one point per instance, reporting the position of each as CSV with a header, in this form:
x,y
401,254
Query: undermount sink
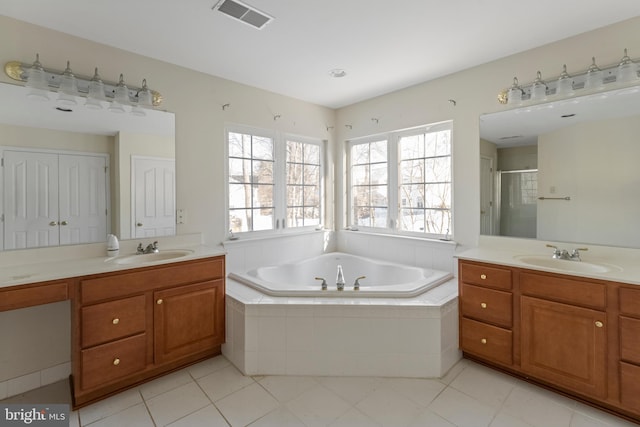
x,y
152,257
567,265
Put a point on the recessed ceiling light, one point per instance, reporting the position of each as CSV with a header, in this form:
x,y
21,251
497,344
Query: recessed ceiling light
x,y
337,73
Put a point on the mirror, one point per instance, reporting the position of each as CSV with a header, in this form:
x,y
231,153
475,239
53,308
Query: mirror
x,y
52,190
564,170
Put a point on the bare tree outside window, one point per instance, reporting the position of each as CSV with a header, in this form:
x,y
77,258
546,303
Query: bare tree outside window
x,y
425,187
369,184
303,184
251,182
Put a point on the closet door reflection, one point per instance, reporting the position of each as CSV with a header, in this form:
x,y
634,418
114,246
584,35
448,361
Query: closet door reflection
x,y
517,202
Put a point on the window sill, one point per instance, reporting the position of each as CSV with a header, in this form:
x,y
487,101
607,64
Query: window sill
x,y
402,237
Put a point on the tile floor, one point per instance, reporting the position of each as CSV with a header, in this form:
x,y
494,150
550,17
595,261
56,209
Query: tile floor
x,y
214,393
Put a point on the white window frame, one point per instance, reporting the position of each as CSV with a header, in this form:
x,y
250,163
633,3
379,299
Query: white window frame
x,y
395,180
279,180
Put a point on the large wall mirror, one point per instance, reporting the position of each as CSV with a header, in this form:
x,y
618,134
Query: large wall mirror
x,y
73,175
564,171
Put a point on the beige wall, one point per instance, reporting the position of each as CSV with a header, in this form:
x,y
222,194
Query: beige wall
x,y
197,101
596,164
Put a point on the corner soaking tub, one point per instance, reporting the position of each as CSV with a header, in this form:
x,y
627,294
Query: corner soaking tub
x,y
381,279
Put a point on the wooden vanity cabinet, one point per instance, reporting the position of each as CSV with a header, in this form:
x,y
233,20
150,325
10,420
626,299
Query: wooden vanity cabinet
x,y
486,312
629,366
580,336
137,324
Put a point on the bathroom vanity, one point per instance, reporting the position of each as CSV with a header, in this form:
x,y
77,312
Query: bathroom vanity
x,y
133,322
577,335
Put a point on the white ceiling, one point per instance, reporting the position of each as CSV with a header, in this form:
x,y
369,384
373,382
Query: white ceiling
x,y
383,45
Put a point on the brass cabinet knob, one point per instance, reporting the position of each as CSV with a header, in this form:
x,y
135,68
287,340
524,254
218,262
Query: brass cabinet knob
x,y
139,224
599,324
116,361
483,304
483,276
159,301
64,223
53,223
115,321
483,340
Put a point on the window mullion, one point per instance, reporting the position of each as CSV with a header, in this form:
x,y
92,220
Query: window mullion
x,y
280,183
393,181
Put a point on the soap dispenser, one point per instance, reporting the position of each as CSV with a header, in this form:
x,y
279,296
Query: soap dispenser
x,y
113,247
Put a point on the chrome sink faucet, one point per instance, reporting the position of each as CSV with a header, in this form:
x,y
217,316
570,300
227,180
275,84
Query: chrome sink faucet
x,y
151,248
564,254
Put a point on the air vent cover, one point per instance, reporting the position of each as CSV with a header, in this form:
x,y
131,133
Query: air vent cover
x,y
243,13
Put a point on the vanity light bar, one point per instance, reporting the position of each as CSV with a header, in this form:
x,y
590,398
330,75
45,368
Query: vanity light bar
x,y
19,71
626,73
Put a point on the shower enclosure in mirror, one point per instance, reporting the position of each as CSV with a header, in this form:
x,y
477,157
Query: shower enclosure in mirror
x,y
587,185
74,175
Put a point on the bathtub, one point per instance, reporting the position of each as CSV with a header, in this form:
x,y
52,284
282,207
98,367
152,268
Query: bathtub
x,y
382,279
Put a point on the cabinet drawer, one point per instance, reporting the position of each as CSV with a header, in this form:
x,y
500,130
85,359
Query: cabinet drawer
x,y
483,275
630,387
109,362
487,305
630,339
562,289
486,341
630,301
150,278
112,320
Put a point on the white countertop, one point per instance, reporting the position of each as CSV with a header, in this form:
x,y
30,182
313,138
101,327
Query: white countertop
x,y
40,265
508,252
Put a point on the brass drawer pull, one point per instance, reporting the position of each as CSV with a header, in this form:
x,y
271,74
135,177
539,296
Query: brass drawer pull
x,y
483,276
599,324
483,340
159,301
116,361
483,304
115,321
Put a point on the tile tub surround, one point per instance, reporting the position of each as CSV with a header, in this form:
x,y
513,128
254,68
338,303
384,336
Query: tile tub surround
x,y
388,337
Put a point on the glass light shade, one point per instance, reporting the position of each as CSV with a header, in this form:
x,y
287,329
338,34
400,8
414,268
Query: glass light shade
x,y
514,95
68,89
37,82
120,98
627,70
539,88
593,80
564,86
95,96
145,99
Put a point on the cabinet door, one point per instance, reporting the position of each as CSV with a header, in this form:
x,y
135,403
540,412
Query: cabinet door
x,y
564,345
188,320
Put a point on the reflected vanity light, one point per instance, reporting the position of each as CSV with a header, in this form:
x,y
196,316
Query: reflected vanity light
x,y
595,79
71,88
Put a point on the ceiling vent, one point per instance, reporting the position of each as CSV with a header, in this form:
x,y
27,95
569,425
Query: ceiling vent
x,y
243,13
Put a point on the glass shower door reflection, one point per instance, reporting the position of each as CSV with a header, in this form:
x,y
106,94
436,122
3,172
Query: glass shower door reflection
x,y
518,198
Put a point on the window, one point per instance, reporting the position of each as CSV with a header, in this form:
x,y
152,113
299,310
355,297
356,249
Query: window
x,y
274,181
369,184
303,183
410,169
